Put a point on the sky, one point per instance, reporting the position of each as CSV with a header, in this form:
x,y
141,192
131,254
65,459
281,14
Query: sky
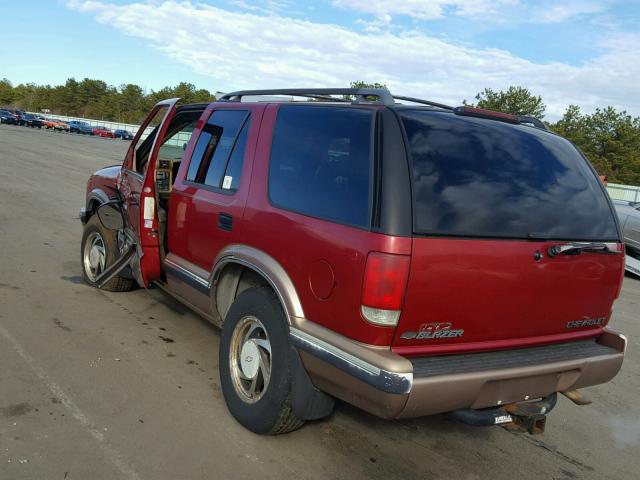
x,y
582,52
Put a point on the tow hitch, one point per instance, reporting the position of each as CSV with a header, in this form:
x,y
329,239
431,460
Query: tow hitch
x,y
528,416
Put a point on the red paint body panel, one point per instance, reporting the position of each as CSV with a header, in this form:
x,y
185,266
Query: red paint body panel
x,y
104,179
194,210
298,241
501,296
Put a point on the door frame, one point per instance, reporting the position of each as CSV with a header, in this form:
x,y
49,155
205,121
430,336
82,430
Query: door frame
x,y
141,213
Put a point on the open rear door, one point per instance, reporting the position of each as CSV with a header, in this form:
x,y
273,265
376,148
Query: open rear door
x,y
138,188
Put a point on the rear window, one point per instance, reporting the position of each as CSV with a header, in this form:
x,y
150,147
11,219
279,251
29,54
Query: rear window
x,y
475,177
321,162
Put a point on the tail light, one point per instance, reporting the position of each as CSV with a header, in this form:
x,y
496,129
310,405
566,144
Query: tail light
x,y
385,282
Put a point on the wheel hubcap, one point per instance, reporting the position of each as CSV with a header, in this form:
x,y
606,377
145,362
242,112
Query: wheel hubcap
x,y
250,359
94,256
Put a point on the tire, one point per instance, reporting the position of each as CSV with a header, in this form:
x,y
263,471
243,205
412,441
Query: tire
x,y
95,234
269,409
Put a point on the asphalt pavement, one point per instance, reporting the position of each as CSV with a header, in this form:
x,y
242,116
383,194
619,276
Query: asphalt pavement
x,y
99,385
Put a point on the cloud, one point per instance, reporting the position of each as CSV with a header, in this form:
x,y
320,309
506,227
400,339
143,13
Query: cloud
x,y
491,11
248,50
558,13
421,9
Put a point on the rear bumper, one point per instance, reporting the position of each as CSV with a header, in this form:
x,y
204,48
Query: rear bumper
x,y
391,386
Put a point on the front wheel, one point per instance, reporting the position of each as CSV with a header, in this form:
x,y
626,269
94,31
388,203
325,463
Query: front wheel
x,y
97,251
255,363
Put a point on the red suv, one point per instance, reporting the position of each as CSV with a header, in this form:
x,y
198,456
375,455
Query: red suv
x,y
409,259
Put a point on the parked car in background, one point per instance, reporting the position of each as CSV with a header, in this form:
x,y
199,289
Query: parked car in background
x,y
7,117
78,126
123,134
629,216
49,123
62,126
410,259
32,121
17,114
103,132
55,124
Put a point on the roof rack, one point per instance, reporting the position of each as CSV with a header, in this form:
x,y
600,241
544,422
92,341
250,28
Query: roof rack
x,y
423,102
362,95
380,96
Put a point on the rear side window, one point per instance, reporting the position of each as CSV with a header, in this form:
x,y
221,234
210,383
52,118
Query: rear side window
x,y
321,162
483,178
219,153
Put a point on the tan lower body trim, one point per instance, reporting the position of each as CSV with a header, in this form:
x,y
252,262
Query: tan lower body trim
x,y
344,386
447,392
444,393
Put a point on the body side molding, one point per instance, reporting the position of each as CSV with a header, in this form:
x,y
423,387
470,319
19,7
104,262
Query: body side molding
x,y
190,273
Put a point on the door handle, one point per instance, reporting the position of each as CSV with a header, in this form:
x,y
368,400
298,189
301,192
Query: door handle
x,y
225,222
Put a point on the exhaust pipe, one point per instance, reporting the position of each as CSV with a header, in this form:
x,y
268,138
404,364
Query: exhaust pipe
x,y
577,397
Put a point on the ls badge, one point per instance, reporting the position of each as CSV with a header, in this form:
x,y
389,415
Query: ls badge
x,y
430,331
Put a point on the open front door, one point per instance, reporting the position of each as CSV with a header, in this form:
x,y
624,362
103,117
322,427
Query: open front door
x,y
138,188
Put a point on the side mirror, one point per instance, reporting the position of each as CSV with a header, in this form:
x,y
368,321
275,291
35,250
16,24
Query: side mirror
x,y
110,216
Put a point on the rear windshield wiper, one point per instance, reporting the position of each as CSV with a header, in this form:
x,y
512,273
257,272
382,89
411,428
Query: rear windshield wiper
x,y
576,248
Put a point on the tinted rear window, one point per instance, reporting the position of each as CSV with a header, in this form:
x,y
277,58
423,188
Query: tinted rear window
x,y
475,177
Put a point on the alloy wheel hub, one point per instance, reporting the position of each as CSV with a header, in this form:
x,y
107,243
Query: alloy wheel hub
x,y
95,257
250,359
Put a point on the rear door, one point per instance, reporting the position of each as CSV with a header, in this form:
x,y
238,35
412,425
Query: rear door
x,y
137,185
490,200
210,192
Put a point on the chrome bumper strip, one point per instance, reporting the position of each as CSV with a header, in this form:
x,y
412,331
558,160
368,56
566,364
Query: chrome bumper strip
x,y
389,382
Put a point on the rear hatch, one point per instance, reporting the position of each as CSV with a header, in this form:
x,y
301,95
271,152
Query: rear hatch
x,y
490,200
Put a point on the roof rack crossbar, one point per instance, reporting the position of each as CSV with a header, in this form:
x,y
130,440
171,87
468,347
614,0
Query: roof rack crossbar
x,y
363,95
423,102
324,97
533,121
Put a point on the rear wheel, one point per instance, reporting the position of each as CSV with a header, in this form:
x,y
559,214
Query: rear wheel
x,y
99,250
255,363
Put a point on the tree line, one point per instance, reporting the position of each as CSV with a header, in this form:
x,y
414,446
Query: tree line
x,y
90,98
610,138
